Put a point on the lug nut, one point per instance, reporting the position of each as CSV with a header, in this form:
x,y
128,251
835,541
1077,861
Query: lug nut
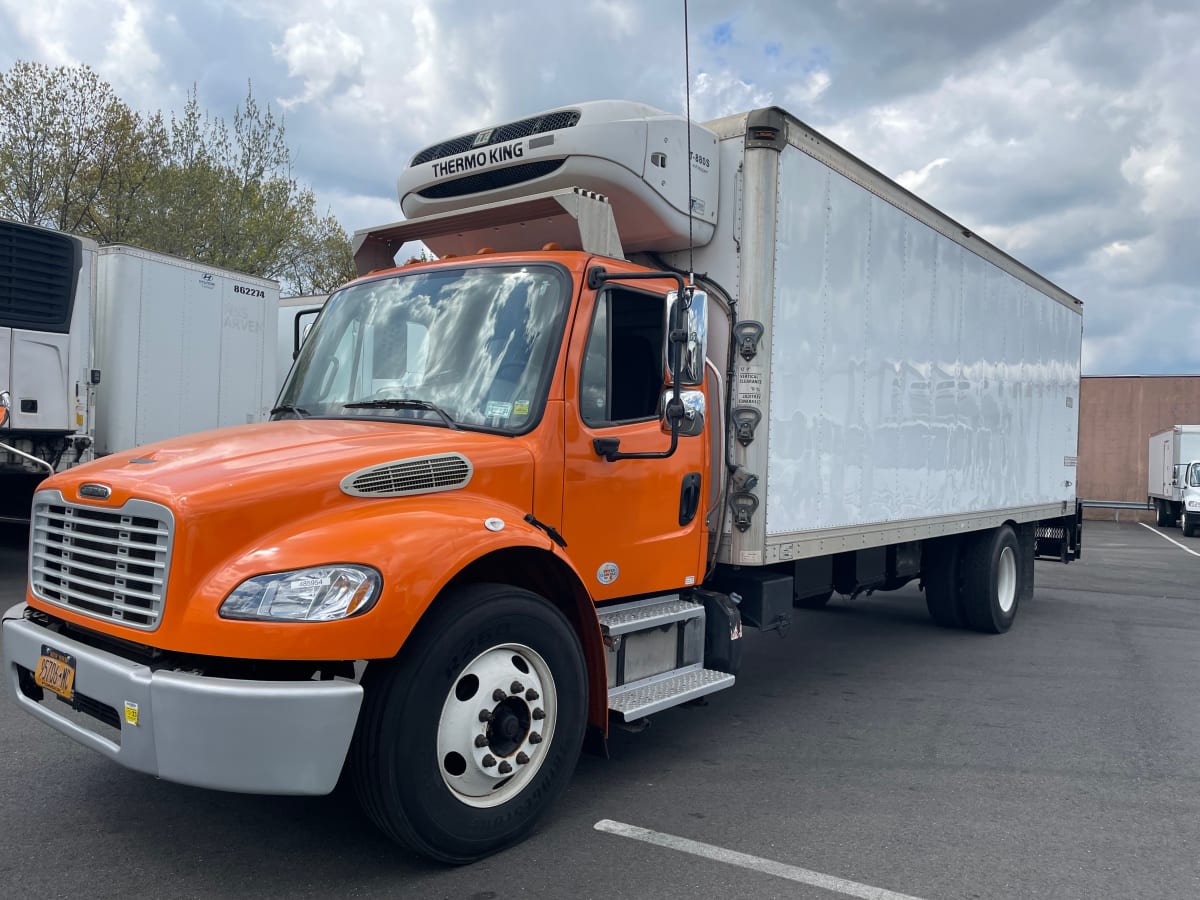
x,y
522,759
485,715
516,687
535,738
481,741
505,768
499,695
531,695
489,760
539,714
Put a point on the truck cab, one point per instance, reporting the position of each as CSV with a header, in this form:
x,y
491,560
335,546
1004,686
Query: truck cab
x,y
1187,483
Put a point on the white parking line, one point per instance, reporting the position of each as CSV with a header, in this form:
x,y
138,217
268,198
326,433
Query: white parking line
x,y
1172,540
745,861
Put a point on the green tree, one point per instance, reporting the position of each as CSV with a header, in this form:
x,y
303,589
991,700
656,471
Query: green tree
x,y
73,156
64,136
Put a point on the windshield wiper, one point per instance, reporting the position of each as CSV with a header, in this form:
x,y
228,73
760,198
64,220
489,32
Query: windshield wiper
x,y
404,404
298,411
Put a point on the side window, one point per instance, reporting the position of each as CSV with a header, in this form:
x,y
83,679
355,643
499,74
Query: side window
x,y
623,371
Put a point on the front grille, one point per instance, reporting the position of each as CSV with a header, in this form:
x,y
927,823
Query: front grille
x,y
38,273
111,564
490,181
423,475
565,118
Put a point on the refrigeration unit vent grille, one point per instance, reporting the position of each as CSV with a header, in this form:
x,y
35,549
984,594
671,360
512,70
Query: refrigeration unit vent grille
x,y
38,272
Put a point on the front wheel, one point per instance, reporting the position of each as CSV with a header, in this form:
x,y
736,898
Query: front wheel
x,y
469,736
1189,525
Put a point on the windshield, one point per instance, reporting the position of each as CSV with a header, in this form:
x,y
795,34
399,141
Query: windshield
x,y
450,347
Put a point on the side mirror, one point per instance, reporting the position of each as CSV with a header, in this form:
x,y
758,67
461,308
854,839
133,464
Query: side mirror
x,y
691,419
693,340
5,406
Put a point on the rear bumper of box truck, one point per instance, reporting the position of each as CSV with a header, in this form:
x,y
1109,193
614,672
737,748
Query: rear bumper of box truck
x,y
264,737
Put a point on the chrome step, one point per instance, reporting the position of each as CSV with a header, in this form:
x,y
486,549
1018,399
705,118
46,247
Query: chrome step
x,y
642,615
642,698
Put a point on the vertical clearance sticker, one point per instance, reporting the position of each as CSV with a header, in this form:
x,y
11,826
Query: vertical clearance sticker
x,y
131,713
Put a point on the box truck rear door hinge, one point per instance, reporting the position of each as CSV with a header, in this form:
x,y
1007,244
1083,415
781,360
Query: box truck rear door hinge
x,y
744,504
745,420
747,334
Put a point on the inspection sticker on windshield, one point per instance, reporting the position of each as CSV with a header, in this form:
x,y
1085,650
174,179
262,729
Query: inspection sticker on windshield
x,y
521,408
498,410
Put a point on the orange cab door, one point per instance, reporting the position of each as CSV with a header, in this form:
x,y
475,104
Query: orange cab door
x,y
626,522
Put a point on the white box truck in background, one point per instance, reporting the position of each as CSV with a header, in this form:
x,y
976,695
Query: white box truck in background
x,y
103,348
1173,467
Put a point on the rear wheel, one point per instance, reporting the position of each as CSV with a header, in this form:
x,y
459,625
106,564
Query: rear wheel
x,y
991,579
467,738
940,577
1162,516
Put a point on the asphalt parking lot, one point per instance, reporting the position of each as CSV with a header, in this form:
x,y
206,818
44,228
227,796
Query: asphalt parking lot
x,y
868,748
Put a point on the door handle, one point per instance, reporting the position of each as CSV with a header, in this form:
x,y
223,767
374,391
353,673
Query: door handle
x,y
689,497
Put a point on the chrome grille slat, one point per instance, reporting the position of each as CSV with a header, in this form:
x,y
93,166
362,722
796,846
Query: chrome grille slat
x,y
109,564
80,596
119,528
123,590
127,545
124,573
120,558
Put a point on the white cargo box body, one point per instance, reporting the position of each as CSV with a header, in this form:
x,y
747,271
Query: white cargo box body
x,y
182,347
912,380
1178,445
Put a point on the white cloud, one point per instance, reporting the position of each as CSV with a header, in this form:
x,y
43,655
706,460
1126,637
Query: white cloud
x,y
319,54
1068,133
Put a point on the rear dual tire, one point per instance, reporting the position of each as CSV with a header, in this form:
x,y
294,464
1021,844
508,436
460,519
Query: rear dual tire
x,y
977,581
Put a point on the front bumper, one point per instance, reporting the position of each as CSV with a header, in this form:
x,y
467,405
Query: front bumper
x,y
261,737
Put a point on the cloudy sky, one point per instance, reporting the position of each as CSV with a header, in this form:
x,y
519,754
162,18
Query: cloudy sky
x,y
1065,131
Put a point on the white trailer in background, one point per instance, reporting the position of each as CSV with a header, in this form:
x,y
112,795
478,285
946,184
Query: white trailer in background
x,y
1173,467
103,348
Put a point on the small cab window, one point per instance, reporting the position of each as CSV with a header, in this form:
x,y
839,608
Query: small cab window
x,y
623,366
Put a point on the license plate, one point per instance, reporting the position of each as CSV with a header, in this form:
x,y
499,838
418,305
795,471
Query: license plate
x,y
56,672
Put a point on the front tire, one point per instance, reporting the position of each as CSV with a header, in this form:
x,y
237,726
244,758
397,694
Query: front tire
x,y
473,731
1189,525
992,579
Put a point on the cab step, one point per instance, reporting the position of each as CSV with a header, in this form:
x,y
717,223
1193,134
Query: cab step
x,y
635,701
654,651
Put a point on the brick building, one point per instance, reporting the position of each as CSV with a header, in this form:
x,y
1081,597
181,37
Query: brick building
x,y
1117,415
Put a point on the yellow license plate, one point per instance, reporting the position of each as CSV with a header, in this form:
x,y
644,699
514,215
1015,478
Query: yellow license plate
x,y
56,672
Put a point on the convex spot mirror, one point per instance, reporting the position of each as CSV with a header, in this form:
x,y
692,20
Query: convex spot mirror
x,y
5,404
691,423
695,323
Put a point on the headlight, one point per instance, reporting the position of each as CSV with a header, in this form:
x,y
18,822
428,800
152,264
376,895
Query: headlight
x,y
319,594
1193,504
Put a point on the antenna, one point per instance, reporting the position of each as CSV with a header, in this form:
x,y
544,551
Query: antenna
x,y
687,95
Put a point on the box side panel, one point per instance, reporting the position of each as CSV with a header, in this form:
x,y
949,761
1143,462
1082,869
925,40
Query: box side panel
x,y
1189,445
910,379
246,373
